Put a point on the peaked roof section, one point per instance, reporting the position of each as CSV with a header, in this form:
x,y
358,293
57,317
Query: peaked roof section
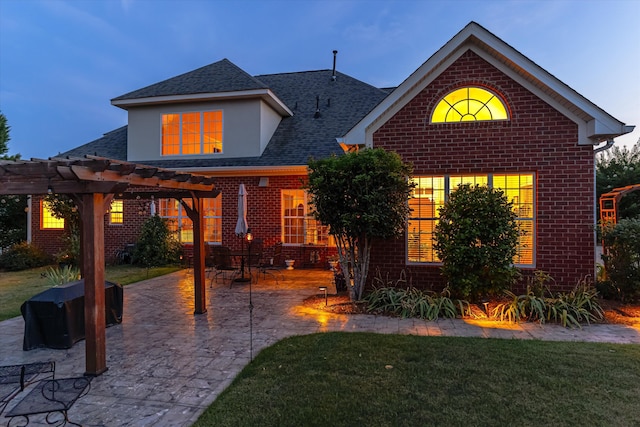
x,y
322,110
594,124
220,80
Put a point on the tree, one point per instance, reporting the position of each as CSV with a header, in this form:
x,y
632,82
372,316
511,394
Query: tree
x,y
619,167
13,216
63,207
4,136
362,196
476,240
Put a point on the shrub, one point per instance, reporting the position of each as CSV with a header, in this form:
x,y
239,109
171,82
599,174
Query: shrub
x,y
622,260
23,256
156,245
476,240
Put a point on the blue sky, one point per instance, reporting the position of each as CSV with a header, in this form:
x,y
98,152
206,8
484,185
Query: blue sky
x,y
61,62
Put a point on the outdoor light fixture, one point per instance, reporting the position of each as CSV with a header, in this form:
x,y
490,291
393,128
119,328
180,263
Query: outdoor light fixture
x,y
324,288
249,235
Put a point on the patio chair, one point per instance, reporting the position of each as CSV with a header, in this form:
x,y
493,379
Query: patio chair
x,y
221,264
254,256
272,264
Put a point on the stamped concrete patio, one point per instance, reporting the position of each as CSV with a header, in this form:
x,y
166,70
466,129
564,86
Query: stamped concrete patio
x,y
166,365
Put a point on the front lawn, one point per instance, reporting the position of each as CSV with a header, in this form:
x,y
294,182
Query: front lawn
x,y
349,379
18,286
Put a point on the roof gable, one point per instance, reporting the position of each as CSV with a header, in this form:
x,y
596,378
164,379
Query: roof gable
x,y
595,125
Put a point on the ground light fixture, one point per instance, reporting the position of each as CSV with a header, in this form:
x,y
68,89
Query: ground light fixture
x,y
324,288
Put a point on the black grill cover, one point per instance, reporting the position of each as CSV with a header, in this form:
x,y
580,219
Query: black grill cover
x,y
55,318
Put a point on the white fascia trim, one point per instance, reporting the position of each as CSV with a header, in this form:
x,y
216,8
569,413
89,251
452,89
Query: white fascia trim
x,y
266,94
248,170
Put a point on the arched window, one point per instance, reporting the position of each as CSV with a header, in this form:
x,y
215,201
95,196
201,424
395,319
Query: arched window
x,y
469,104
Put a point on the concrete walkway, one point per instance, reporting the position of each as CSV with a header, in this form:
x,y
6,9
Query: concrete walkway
x,y
166,365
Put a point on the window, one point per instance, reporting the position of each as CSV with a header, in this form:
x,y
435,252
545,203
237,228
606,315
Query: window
x,y
298,224
116,212
469,104
182,226
431,192
47,220
192,133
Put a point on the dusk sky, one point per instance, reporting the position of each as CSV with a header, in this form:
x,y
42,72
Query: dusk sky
x,y
61,62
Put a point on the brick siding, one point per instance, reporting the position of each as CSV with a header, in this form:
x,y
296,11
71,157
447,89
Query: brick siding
x,y
537,138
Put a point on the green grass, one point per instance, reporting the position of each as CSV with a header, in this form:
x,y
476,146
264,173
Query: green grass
x,y
350,379
17,287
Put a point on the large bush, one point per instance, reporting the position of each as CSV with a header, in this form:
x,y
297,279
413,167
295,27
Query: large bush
x,y
622,260
156,245
476,240
22,256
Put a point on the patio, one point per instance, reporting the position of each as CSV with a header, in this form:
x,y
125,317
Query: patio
x,y
166,365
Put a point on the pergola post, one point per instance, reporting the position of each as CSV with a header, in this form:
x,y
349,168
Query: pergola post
x,y
92,219
196,214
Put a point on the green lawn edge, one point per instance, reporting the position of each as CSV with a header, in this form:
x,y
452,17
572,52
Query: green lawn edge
x,y
348,379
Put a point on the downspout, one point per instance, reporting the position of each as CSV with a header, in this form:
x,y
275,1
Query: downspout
x,y
606,146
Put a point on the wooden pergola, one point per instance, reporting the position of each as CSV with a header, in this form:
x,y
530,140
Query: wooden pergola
x,y
93,182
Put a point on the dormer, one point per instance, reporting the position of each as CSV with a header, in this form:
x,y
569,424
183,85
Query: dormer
x,y
217,111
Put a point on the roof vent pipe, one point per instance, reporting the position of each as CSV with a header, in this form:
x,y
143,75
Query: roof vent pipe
x,y
333,75
317,114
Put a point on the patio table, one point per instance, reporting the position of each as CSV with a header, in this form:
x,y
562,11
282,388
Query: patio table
x,y
51,397
14,378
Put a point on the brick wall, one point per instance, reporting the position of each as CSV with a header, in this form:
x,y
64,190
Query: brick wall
x,y
263,216
537,139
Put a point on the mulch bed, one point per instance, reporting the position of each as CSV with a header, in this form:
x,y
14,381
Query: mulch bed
x,y
615,312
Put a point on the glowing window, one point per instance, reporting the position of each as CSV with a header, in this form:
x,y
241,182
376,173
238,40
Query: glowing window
x,y
298,224
182,226
429,196
116,212
47,220
192,133
469,104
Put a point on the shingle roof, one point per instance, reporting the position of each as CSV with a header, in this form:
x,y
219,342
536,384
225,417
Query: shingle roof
x,y
112,145
221,76
323,110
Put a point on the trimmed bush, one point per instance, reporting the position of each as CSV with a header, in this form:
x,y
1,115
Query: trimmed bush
x,y
23,256
156,245
622,260
476,240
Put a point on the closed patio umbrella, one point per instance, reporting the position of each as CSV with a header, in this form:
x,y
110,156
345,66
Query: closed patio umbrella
x,y
242,226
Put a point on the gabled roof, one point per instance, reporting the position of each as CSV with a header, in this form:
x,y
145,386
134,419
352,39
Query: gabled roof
x,y
322,109
594,124
220,80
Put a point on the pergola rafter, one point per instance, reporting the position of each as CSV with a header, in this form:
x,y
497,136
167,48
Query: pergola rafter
x,y
93,182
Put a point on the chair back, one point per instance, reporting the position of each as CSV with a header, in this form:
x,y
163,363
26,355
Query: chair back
x,y
255,251
221,257
277,254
